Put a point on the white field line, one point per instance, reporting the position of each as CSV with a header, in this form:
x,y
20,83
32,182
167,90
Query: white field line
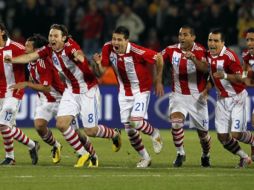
x,y
128,175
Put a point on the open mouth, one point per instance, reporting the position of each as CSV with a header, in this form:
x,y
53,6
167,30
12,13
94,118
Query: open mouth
x,y
116,48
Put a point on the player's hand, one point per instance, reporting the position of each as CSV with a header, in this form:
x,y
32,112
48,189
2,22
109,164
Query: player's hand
x,y
190,55
159,89
204,95
7,59
19,86
97,58
219,75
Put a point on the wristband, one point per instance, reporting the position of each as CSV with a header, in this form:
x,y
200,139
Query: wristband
x,y
225,76
245,74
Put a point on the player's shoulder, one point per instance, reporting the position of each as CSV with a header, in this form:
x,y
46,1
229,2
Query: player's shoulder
x,y
198,47
245,53
230,54
137,49
17,45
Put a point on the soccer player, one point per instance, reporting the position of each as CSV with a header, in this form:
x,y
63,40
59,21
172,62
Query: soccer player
x,y
82,93
45,79
10,100
248,65
131,64
230,111
189,77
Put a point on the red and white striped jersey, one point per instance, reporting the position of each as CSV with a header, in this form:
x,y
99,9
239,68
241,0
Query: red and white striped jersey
x,y
228,62
43,72
248,59
79,77
186,79
11,74
132,68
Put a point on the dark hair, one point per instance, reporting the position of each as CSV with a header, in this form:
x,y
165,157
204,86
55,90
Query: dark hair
x,y
6,33
62,28
38,40
219,31
250,30
191,29
122,30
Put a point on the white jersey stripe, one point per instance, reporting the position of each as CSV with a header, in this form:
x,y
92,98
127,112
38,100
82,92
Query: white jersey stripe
x,y
132,75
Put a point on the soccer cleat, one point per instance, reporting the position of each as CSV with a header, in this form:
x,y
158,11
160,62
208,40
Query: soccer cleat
x,y
34,153
117,141
8,161
244,162
157,142
252,153
205,161
179,160
93,162
56,154
82,160
144,163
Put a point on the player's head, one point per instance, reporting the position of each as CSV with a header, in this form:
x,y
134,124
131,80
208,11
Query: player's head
x,y
3,32
250,40
120,39
58,35
186,37
35,42
216,41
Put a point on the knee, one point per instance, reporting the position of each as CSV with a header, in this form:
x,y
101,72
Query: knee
x,y
223,138
61,125
136,123
91,132
177,123
236,135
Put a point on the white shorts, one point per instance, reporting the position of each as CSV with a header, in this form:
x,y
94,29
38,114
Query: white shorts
x,y
9,108
86,105
45,110
133,106
194,105
230,113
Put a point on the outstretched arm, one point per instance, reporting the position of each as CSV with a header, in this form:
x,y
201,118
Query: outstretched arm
x,y
28,84
22,59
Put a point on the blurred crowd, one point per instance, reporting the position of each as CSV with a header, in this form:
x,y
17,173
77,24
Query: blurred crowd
x,y
152,23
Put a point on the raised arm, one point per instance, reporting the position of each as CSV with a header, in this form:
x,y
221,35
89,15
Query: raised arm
x,y
97,66
22,59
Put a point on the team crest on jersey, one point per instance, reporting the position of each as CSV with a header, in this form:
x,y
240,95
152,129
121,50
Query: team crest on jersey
x,y
56,62
176,58
113,59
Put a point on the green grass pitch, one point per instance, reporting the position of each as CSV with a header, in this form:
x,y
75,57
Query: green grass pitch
x,y
117,170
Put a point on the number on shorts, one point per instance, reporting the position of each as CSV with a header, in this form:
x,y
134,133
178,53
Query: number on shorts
x,y
139,106
90,118
237,122
8,116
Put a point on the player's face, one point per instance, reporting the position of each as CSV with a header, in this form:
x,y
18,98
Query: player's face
x,y
215,44
56,39
119,43
185,38
250,42
29,47
1,36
